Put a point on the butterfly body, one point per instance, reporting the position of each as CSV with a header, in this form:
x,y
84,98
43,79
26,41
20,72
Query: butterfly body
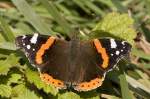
x,y
79,64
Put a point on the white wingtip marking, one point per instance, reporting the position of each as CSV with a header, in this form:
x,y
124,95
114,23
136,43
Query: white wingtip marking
x,y
34,38
24,36
113,43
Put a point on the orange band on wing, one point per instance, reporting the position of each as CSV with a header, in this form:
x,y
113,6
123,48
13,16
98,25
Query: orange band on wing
x,y
44,47
50,80
103,53
93,84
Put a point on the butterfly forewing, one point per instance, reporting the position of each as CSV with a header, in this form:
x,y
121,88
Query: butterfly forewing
x,y
30,44
115,50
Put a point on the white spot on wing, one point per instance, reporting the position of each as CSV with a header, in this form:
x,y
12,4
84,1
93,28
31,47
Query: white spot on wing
x,y
28,46
117,52
34,38
111,54
113,43
24,44
33,49
121,50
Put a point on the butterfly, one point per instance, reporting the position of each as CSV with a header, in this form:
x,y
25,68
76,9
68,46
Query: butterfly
x,y
74,63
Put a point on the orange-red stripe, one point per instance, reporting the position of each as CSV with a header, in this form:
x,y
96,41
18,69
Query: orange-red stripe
x,y
93,84
103,53
44,47
50,80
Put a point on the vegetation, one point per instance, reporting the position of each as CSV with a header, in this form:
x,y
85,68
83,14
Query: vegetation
x,y
120,19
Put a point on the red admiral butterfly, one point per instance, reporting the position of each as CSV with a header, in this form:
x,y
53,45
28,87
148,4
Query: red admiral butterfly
x,y
81,65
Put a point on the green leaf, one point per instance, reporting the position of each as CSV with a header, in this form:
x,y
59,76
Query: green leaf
x,y
14,78
12,59
32,17
120,7
68,95
116,25
50,6
147,66
4,67
5,91
138,87
126,94
108,3
140,54
72,95
7,46
7,33
90,95
2,39
18,90
82,6
26,93
10,62
93,7
24,27
145,79
34,77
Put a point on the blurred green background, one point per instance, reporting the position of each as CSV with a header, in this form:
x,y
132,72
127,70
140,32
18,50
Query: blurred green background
x,y
123,19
